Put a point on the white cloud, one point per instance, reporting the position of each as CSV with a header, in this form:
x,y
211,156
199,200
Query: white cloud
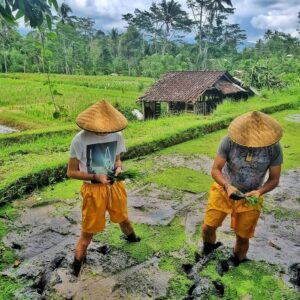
x,y
108,13
278,15
254,15
274,20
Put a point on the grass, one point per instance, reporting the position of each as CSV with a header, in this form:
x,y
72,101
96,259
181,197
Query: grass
x,y
209,143
182,179
25,100
7,255
68,189
162,239
257,279
290,140
8,288
19,160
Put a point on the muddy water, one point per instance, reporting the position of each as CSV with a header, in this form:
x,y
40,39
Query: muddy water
x,y
294,118
5,129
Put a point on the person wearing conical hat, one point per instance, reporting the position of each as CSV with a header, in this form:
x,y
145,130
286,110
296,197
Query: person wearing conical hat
x,y
94,154
249,152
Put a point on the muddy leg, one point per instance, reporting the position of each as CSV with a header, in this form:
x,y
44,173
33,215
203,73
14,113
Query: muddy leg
x,y
209,239
82,244
209,234
128,230
241,247
126,227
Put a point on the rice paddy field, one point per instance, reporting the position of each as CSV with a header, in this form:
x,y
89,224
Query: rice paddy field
x,y
174,154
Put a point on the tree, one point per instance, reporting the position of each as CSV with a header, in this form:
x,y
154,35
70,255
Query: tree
x,y
208,15
5,33
34,12
105,60
64,25
132,49
164,20
114,40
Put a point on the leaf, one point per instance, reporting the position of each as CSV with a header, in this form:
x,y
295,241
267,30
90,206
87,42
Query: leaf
x,y
56,114
49,21
56,93
52,36
7,16
54,3
19,14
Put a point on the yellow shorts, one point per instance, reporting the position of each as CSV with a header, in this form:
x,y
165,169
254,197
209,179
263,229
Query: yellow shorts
x,y
97,198
244,217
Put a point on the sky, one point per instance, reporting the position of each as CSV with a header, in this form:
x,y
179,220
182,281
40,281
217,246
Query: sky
x,y
254,16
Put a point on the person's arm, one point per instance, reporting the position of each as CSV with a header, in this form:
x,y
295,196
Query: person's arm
x,y
270,184
118,165
74,172
218,176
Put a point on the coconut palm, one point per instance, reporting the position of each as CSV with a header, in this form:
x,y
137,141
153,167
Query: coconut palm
x,y
114,39
164,19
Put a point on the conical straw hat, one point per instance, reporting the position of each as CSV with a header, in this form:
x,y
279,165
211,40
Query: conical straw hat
x,y
101,117
255,129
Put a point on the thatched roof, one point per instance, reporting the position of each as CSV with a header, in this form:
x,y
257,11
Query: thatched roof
x,y
188,86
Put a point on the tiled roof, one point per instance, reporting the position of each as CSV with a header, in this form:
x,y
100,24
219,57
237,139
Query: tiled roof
x,y
227,87
186,86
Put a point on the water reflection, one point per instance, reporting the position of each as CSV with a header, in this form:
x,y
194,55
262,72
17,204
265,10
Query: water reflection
x,y
5,129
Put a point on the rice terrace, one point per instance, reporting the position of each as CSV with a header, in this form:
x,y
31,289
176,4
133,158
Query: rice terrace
x,y
182,86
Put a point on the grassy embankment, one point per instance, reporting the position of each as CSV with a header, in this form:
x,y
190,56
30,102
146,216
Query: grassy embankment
x,y
38,152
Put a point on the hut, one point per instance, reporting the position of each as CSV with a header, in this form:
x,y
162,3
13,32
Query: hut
x,y
197,92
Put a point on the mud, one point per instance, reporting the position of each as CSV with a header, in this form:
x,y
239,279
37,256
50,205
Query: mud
x,y
142,281
287,194
197,162
149,208
43,238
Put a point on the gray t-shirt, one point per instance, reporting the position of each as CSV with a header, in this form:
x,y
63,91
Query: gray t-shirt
x,y
97,153
246,168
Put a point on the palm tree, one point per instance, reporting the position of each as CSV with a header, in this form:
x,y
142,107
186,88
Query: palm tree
x,y
64,20
268,35
215,8
114,37
171,18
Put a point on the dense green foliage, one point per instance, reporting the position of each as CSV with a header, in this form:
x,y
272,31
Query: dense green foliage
x,y
152,44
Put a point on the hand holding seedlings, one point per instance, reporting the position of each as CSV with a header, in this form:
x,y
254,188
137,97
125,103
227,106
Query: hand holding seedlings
x,y
252,200
129,174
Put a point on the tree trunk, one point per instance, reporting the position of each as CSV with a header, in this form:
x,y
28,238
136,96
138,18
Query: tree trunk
x,y
65,57
24,65
5,61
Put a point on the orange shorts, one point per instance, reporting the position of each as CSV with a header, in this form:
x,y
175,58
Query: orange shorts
x,y
244,217
97,198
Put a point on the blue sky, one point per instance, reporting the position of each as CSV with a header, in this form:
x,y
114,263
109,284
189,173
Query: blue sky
x,y
254,16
